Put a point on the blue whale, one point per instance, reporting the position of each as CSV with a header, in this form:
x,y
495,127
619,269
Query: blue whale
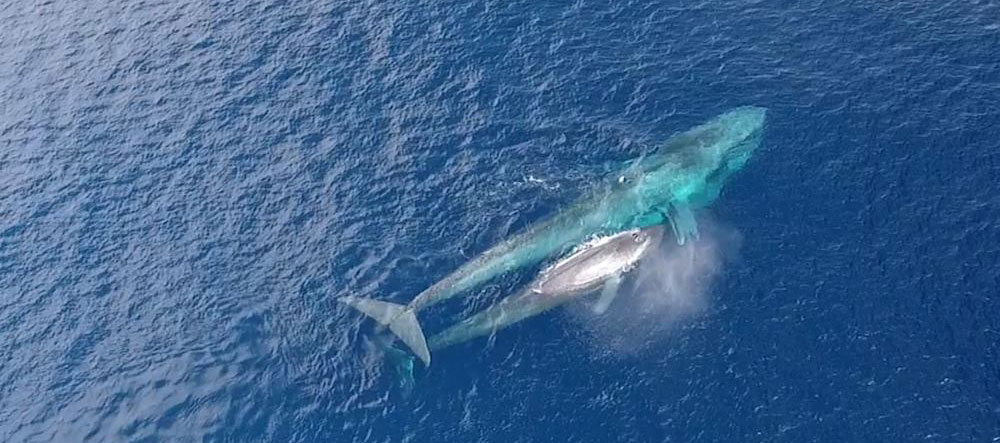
x,y
686,172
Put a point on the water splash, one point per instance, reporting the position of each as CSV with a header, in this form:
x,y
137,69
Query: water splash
x,y
672,286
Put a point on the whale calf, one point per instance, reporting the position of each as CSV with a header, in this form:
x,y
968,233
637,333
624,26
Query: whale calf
x,y
686,173
597,265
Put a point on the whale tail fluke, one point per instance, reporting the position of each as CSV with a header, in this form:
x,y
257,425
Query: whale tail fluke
x,y
401,320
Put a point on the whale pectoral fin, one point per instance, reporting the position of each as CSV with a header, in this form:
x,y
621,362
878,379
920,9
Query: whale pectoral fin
x,y
608,294
683,223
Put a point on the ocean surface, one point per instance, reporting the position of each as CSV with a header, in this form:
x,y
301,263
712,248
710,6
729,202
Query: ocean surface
x,y
187,187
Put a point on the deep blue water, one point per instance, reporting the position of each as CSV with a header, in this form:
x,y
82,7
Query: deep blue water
x,y
186,188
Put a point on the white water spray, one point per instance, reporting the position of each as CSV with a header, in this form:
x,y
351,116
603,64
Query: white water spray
x,y
671,287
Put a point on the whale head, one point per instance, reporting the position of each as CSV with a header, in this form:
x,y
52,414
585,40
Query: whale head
x,y
691,167
740,132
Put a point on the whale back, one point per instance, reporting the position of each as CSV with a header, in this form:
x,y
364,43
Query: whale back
x,y
594,263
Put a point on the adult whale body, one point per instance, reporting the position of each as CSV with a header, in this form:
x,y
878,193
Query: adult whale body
x,y
686,172
599,263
